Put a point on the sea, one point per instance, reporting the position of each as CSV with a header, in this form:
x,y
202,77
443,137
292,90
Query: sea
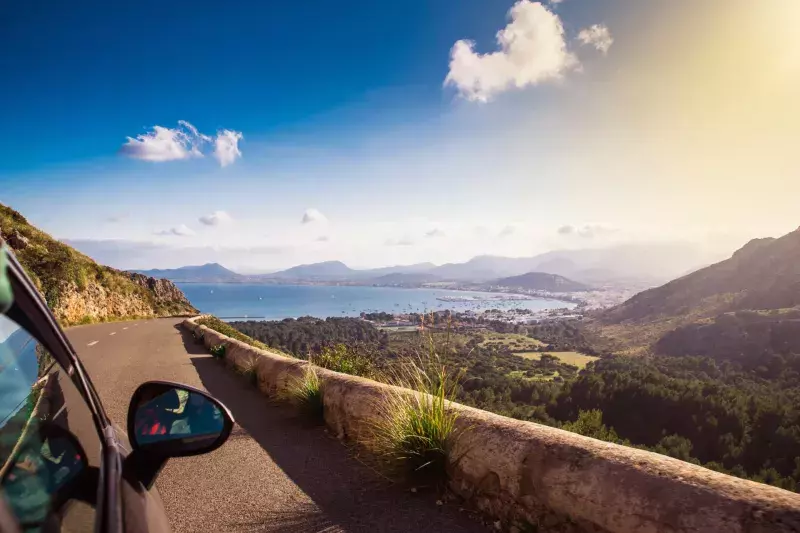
x,y
274,302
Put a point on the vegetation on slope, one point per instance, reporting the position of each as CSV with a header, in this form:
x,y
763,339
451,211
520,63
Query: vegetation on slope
x,y
726,415
77,289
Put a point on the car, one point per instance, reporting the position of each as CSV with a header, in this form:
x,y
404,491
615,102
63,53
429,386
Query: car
x,y
64,466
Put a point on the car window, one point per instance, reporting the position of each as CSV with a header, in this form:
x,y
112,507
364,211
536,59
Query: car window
x,y
50,448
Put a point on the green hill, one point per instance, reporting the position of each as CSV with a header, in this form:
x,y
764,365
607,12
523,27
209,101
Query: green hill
x,y
762,276
77,289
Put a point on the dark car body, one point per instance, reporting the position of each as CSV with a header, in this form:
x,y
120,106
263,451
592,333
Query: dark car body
x,y
115,489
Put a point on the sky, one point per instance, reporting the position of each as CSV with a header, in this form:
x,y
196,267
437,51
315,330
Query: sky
x,y
268,134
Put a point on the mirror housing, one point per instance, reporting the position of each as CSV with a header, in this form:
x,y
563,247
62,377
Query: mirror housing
x,y
167,419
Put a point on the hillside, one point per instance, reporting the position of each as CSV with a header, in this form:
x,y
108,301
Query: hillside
x,y
541,281
77,289
762,275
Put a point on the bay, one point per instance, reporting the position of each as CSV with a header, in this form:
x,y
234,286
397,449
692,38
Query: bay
x,y
275,302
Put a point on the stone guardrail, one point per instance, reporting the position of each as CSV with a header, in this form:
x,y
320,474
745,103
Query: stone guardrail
x,y
532,477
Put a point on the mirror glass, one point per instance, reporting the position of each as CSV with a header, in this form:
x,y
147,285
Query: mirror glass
x,y
173,421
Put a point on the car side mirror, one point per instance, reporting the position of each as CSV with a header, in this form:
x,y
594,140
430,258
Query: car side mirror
x,y
167,420
172,420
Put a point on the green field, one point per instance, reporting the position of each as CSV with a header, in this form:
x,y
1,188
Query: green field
x,y
571,358
512,341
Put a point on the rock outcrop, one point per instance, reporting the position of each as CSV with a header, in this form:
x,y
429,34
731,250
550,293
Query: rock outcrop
x,y
77,289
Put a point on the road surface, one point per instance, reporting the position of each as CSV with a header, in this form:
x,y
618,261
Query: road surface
x,y
275,473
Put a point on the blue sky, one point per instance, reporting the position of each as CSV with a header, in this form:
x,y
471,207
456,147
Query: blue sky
x,y
342,111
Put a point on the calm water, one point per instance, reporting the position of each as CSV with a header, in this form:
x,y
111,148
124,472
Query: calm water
x,y
283,301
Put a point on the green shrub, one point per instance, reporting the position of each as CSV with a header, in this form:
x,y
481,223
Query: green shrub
x,y
305,392
353,360
218,351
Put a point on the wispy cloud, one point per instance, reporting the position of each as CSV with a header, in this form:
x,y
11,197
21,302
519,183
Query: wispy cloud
x,y
566,230
215,219
532,50
313,215
507,230
589,231
182,142
405,241
435,232
181,231
226,147
597,35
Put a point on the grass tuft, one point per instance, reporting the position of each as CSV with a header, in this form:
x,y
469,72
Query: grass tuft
x,y
415,432
305,392
248,370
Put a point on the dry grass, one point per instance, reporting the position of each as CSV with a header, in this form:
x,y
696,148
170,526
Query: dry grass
x,y
414,432
305,392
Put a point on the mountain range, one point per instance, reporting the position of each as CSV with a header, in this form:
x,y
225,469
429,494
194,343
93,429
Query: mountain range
x,y
635,264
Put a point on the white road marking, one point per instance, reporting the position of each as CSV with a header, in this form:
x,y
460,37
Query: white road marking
x,y
92,343
113,333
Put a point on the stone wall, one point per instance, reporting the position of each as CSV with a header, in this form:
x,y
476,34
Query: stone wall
x,y
537,478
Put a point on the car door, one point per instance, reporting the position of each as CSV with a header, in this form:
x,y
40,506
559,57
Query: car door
x,y
51,448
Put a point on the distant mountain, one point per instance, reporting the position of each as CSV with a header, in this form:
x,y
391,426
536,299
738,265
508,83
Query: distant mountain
x,y
764,276
622,264
541,281
327,270
635,264
208,273
405,279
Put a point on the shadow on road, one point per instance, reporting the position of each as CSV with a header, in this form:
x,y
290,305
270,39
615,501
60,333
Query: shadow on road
x,y
348,496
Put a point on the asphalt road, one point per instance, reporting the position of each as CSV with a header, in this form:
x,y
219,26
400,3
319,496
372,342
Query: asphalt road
x,y
275,473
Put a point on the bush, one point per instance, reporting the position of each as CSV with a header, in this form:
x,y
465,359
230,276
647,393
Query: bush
x,y
219,326
218,351
305,392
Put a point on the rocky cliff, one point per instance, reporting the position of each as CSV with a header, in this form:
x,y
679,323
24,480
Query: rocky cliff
x,y
77,289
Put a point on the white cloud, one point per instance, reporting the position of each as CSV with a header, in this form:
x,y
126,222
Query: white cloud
x,y
226,146
532,50
598,36
323,238
166,144
313,215
216,218
181,231
435,232
182,142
